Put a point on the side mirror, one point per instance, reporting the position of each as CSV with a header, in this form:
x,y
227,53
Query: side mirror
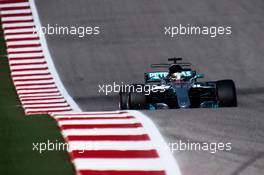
x,y
199,76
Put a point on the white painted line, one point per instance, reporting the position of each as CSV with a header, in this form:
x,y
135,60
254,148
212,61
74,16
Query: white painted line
x,y
21,36
105,131
32,77
47,105
10,12
21,73
96,112
91,115
22,4
17,18
36,95
40,98
35,91
23,24
25,55
30,110
28,67
43,101
7,31
33,82
124,121
22,42
49,60
110,145
118,164
36,86
24,49
26,62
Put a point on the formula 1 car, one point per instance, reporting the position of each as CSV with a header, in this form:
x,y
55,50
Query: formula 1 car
x,y
177,87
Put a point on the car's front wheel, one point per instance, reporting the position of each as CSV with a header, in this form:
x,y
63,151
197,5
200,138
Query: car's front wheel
x,y
138,100
226,93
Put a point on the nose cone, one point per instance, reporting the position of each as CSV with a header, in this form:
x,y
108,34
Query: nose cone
x,y
183,97
184,104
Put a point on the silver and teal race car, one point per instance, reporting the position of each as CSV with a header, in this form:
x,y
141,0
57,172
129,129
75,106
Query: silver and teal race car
x,y
177,87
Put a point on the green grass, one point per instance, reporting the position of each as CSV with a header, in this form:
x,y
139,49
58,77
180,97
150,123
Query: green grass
x,y
18,132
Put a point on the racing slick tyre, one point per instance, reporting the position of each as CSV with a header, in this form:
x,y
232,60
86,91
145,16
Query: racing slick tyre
x,y
124,99
137,100
226,93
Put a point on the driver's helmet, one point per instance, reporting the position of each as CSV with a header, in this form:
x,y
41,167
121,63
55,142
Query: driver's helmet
x,y
175,72
176,76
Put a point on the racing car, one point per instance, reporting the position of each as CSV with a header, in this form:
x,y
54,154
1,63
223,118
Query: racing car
x,y
177,86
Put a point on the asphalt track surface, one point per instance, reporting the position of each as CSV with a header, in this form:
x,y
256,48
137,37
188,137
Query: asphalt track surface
x,y
132,37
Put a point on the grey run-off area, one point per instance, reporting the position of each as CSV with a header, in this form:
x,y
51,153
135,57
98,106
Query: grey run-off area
x,y
132,37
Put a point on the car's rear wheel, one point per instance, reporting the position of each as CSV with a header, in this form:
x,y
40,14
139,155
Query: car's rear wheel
x,y
226,93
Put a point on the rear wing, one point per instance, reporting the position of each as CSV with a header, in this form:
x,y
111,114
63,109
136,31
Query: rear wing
x,y
174,60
